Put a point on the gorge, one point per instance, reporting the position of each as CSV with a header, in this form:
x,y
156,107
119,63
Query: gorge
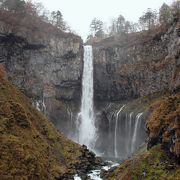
x,y
118,96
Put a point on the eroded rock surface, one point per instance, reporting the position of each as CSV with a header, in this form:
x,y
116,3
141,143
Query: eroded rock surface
x,y
49,73
137,64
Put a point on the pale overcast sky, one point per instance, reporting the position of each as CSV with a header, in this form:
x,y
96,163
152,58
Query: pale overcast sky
x,y
79,13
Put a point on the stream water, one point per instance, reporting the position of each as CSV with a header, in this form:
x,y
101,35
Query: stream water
x,y
95,174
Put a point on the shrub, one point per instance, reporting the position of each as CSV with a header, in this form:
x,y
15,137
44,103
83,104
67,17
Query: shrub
x,y
2,71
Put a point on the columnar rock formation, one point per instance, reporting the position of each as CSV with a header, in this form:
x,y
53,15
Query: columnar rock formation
x,y
49,73
137,64
128,67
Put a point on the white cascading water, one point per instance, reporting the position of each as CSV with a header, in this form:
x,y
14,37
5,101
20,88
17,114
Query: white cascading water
x,y
115,132
137,123
87,130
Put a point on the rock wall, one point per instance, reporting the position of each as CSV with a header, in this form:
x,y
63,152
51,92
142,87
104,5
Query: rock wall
x,y
130,67
137,64
49,73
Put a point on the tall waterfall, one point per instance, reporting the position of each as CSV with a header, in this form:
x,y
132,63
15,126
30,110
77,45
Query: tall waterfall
x,y
87,128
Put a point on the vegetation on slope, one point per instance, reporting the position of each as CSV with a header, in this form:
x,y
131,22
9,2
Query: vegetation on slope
x,y
29,19
164,124
30,148
161,161
150,165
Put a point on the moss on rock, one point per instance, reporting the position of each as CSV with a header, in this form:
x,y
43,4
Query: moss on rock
x,y
31,148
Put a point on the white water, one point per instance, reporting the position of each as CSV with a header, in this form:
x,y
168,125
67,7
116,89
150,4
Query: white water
x,y
137,123
87,128
95,174
115,132
40,105
130,133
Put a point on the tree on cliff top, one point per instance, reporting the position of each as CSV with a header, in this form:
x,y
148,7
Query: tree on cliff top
x,y
120,24
15,6
165,14
148,19
57,20
96,28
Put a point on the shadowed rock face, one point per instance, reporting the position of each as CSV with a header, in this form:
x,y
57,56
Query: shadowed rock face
x,y
136,66
49,73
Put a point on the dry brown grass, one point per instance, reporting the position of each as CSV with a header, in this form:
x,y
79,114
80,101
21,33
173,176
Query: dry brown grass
x,y
30,148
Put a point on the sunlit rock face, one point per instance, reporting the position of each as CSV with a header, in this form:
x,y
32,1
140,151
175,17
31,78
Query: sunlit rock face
x,y
48,72
135,66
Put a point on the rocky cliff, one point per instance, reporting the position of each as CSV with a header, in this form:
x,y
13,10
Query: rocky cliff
x,y
137,64
162,159
49,72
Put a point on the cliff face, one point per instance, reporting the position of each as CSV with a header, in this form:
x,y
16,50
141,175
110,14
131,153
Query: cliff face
x,y
162,159
137,64
49,73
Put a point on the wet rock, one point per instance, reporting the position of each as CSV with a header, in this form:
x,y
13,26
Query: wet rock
x,y
105,174
88,162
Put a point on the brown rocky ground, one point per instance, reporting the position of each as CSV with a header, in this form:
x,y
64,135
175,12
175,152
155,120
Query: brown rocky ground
x,y
31,147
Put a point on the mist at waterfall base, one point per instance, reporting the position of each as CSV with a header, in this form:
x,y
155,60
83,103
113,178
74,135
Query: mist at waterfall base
x,y
120,131
111,132
86,119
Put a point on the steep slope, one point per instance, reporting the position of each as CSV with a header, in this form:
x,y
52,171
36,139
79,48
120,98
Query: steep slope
x,y
44,61
31,148
153,164
49,73
161,160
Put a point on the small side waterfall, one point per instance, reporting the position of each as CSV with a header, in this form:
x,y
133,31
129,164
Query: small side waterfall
x,y
122,132
40,105
115,132
136,127
87,129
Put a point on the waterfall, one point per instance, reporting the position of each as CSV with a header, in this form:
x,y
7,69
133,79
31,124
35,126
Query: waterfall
x,y
123,132
115,132
87,128
129,132
136,127
40,105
